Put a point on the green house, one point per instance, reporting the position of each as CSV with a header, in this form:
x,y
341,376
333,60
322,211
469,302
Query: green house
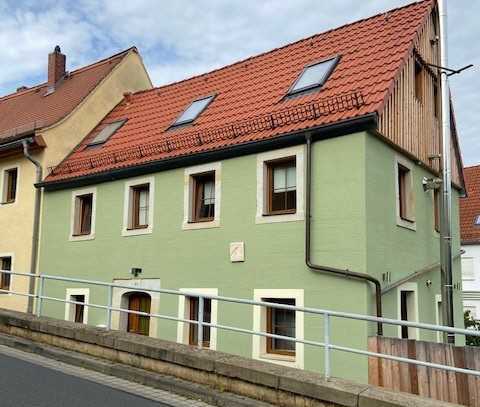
x,y
203,186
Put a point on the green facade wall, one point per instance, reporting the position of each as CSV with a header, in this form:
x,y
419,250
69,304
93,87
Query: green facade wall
x,y
353,226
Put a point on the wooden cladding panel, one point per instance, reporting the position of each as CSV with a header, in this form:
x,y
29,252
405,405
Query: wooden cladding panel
x,y
410,122
427,382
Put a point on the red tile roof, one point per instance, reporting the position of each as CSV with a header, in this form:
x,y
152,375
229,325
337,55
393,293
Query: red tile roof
x,y
27,110
250,103
470,206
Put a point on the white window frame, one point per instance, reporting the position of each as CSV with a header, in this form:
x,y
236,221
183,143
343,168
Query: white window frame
x,y
3,186
413,333
69,308
183,312
399,160
262,184
468,277
12,257
75,194
188,193
127,205
259,344
119,319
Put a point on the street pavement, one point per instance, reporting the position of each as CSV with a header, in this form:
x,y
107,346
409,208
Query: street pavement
x,y
28,380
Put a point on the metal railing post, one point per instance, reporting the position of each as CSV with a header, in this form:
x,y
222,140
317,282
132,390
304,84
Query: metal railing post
x,y
109,305
200,321
40,295
326,340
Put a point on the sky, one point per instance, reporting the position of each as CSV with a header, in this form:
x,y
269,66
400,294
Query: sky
x,y
181,38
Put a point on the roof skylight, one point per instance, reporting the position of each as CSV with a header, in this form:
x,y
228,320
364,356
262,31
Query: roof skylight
x,y
314,75
106,133
193,111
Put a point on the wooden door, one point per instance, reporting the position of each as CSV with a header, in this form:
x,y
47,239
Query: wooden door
x,y
139,324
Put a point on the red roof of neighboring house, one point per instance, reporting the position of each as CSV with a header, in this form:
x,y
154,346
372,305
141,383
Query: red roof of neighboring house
x,y
250,103
470,206
27,110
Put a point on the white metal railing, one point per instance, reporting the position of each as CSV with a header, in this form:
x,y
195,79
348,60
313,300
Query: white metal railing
x,y
327,345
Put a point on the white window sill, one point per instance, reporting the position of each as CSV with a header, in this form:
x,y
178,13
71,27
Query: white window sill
x,y
283,360
406,224
291,217
137,232
81,238
201,225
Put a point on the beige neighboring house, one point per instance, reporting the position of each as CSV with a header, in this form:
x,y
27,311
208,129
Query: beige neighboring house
x,y
39,127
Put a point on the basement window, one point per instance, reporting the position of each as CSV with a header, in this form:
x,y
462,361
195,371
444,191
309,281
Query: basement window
x,y
193,307
193,111
10,181
314,75
104,134
280,322
5,278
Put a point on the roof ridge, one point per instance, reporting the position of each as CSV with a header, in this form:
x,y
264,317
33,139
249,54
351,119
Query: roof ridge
x,y
74,72
284,46
472,166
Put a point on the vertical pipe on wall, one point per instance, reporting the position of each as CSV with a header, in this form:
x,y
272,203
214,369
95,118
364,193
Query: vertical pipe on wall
x,y
446,207
36,223
308,238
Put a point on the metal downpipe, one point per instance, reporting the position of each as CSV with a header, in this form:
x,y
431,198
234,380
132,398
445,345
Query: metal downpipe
x,y
446,207
326,269
36,223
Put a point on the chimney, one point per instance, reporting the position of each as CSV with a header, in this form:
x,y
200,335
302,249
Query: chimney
x,y
56,66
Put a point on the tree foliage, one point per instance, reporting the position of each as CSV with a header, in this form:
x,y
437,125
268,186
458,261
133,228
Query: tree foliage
x,y
471,323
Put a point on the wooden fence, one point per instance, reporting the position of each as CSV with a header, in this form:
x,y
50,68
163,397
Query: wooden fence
x,y
427,382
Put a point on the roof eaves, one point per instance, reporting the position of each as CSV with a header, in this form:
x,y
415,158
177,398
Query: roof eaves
x,y
365,122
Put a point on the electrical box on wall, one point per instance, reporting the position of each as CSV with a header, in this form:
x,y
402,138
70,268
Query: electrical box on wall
x,y
237,252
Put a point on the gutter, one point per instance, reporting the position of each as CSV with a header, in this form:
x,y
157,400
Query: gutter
x,y
289,139
328,269
417,273
36,221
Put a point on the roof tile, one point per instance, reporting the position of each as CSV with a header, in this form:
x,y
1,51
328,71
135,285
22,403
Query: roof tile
x,y
470,206
28,110
253,91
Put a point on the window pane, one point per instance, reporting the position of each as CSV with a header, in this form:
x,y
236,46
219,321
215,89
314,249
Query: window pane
x,y
281,322
279,179
83,216
314,75
143,206
106,133
282,190
192,111
291,178
204,197
207,317
5,264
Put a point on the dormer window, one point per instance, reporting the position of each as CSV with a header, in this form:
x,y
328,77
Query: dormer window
x,y
193,111
314,75
106,133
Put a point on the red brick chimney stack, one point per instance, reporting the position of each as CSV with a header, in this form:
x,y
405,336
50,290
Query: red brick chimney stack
x,y
56,66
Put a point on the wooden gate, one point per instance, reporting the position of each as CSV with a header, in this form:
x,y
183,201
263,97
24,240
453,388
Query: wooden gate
x,y
427,382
